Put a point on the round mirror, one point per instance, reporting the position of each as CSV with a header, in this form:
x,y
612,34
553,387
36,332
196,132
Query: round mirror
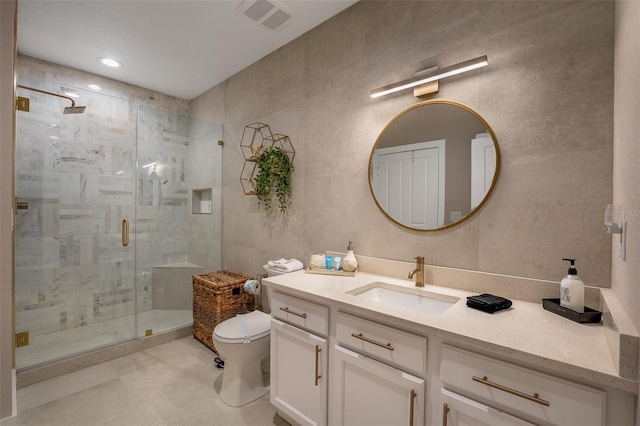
x,y
434,165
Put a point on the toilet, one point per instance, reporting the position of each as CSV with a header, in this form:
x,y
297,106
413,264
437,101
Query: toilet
x,y
243,343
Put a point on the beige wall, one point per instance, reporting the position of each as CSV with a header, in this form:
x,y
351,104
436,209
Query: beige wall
x,y
547,94
626,155
7,54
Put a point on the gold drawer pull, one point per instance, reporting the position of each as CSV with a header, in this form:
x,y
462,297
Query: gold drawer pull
x,y
373,342
535,398
318,350
293,313
412,398
445,413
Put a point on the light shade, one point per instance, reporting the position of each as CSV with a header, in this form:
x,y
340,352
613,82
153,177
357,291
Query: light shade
x,y
465,66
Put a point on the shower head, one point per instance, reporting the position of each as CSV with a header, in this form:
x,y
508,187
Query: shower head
x,y
73,109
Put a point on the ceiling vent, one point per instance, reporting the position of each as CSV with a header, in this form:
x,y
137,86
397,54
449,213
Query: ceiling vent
x,y
268,13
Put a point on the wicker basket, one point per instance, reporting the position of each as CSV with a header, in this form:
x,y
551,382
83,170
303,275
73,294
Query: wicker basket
x,y
217,296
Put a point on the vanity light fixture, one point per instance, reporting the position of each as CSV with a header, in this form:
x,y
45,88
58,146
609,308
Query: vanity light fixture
x,y
434,75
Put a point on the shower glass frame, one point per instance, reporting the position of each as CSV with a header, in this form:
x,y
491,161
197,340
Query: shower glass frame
x,y
78,289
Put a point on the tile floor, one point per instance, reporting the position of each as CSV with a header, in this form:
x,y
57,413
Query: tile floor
x,y
171,384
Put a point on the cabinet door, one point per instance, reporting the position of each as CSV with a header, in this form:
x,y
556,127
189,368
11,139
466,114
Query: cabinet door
x,y
368,393
299,373
460,411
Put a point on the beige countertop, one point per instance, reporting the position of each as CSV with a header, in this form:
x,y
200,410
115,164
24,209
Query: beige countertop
x,y
525,333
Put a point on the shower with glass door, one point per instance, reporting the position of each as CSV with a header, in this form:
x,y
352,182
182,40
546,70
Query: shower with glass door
x,y
107,235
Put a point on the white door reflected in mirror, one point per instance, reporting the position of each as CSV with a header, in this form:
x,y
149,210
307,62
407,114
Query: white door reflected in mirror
x,y
433,165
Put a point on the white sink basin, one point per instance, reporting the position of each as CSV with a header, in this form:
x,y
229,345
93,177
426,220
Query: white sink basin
x,y
407,298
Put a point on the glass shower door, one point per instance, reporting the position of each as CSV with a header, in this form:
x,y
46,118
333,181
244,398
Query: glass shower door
x,y
178,231
75,272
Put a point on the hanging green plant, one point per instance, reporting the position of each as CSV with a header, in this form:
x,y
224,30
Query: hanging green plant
x,y
274,174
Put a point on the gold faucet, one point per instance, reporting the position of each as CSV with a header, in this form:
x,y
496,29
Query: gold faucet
x,y
420,270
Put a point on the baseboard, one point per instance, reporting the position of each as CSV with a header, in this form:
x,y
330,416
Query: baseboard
x,y
9,421
13,419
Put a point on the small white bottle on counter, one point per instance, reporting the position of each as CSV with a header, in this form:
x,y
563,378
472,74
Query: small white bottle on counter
x,y
572,290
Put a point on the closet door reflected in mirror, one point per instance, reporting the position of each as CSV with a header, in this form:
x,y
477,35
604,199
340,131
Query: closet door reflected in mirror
x,y
433,165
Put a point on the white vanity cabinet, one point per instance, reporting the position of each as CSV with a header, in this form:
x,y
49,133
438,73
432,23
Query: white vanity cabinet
x,y
372,381
299,359
478,390
338,360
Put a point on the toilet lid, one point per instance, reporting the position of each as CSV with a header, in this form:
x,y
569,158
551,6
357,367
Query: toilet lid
x,y
255,325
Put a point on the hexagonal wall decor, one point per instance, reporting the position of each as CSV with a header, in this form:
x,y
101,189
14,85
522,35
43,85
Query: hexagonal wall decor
x,y
256,137
252,140
246,178
283,142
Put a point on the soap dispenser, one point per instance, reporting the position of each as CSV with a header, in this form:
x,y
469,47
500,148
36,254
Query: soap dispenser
x,y
572,290
349,263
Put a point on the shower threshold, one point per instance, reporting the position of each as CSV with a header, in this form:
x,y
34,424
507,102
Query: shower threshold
x,y
55,346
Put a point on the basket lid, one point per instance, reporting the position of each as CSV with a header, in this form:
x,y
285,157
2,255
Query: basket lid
x,y
222,278
251,326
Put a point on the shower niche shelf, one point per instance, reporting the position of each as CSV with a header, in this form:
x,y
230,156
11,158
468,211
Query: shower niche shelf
x,y
202,201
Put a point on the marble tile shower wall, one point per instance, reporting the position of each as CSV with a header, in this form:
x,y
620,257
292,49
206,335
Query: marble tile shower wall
x,y
162,222
78,174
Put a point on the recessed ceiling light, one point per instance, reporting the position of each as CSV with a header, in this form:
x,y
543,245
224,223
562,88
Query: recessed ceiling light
x,y
110,62
72,95
94,87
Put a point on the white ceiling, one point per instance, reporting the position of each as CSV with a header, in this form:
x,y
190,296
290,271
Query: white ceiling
x,y
177,47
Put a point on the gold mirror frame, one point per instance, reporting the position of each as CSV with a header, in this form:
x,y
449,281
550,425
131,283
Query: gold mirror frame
x,y
487,194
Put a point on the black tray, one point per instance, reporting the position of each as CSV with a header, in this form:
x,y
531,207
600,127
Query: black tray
x,y
589,315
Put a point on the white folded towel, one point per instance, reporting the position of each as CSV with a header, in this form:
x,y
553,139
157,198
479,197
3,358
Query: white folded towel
x,y
273,263
289,266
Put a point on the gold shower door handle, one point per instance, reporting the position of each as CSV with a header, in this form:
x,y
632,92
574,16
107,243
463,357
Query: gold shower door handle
x,y
125,232
318,350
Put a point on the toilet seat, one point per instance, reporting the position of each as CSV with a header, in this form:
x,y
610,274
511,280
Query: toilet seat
x,y
257,324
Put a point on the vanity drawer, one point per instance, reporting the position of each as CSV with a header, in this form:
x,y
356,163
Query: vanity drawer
x,y
521,391
307,315
387,344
